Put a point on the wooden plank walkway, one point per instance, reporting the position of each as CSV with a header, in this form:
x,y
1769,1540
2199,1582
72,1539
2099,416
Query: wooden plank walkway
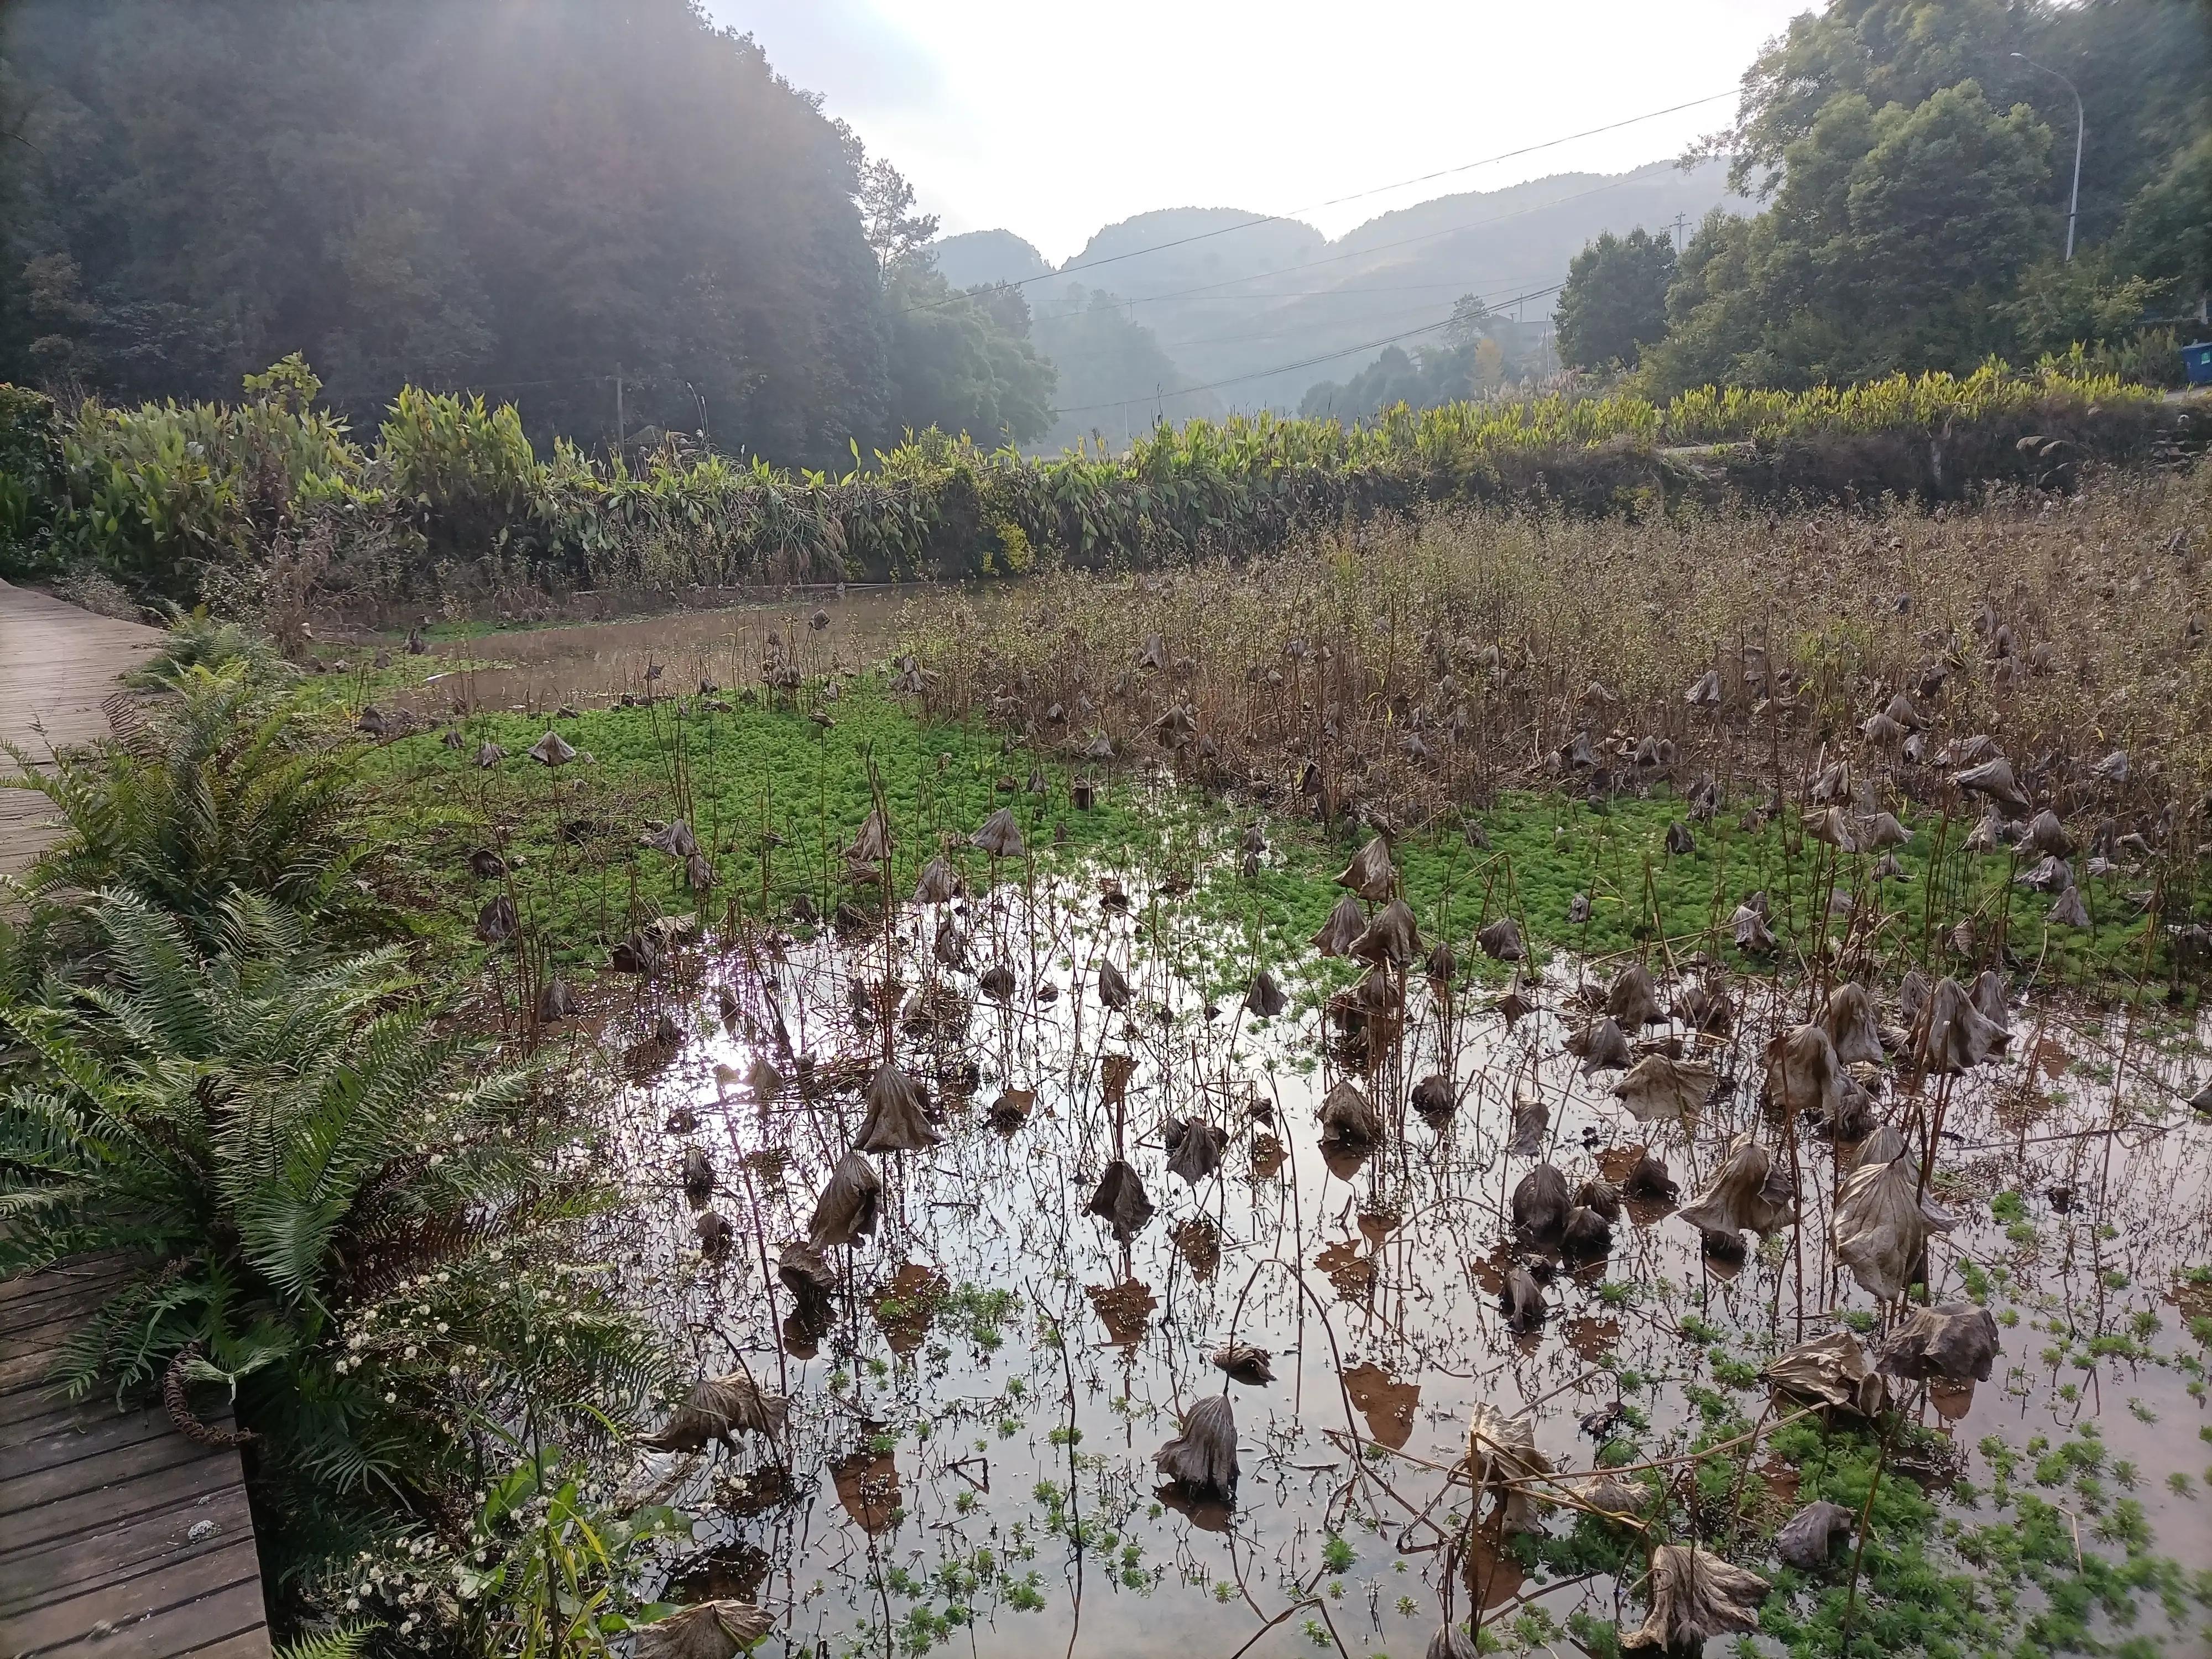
x,y
57,662
119,1539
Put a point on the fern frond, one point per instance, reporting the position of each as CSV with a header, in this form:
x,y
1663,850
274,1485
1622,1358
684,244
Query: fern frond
x,y
338,1642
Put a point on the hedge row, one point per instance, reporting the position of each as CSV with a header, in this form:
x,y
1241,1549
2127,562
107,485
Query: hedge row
x,y
161,496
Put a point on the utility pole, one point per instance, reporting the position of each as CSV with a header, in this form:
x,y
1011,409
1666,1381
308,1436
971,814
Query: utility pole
x,y
2081,127
620,429
1680,219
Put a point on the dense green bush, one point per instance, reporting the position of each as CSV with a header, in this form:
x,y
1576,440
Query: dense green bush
x,y
166,495
313,1188
30,460
156,495
330,1203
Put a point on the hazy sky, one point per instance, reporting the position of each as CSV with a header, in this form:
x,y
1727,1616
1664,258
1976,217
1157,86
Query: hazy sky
x,y
1054,118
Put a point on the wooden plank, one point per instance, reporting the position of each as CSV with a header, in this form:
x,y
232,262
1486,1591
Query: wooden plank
x,y
89,1510
86,1275
42,1334
236,1611
49,1571
68,1437
119,1601
44,1292
156,1616
108,1467
100,1507
57,662
83,1414
26,1369
246,1644
40,1397
58,1414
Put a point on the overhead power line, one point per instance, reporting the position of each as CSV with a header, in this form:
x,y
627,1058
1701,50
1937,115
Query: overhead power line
x,y
1357,194
1379,247
1303,362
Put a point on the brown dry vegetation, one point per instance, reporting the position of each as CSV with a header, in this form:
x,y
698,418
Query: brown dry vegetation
x,y
1404,669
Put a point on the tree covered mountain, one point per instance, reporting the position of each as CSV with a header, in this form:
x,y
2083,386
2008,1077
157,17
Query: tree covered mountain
x,y
622,219
610,214
984,258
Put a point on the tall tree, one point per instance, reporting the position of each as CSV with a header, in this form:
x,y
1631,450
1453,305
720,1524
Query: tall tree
x,y
1886,52
1894,240
1918,156
1615,302
963,361
897,233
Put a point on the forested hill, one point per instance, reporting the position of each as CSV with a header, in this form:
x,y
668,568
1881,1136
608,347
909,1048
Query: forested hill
x,y
523,199
623,220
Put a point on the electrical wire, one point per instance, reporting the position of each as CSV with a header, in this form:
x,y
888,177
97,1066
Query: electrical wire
x,y
1337,201
1303,362
1381,248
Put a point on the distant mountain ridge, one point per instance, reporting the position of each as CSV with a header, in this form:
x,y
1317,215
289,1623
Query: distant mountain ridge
x,y
1260,309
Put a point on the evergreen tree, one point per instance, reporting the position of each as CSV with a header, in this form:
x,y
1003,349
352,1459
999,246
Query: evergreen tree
x,y
1614,303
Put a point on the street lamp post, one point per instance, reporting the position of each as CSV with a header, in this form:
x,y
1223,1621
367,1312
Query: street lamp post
x,y
2081,126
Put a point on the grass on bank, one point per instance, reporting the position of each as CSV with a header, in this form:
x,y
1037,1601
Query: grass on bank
x,y
774,797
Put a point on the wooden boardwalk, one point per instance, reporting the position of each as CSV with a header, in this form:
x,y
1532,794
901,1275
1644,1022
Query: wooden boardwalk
x,y
119,1539
57,662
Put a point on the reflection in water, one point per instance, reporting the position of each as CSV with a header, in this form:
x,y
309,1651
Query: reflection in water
x,y
1388,1404
988,1318
596,663
1952,1400
905,1307
1591,1339
1493,1575
1351,1270
1206,1514
730,1571
1126,1310
868,1486
1200,1240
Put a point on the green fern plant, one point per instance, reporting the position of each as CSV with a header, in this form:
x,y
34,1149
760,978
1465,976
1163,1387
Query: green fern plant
x,y
229,785
334,1211
196,640
340,1642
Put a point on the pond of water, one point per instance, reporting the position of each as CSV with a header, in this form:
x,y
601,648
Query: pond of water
x,y
976,1402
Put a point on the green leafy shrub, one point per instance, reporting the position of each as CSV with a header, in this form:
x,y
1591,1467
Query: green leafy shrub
x,y
229,786
326,1204
165,497
196,640
468,469
543,1566
154,495
30,481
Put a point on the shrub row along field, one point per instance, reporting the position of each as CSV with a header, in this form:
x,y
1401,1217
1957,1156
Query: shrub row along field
x,y
271,500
